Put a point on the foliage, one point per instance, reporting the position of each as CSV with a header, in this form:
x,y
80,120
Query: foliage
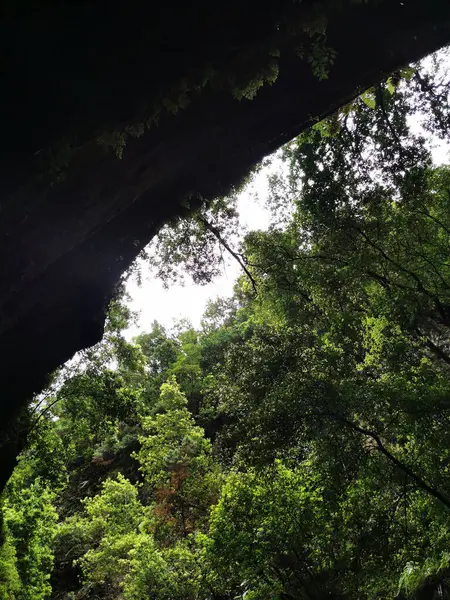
x,y
30,524
296,446
176,461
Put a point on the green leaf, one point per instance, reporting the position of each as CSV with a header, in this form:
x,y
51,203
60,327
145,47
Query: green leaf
x,y
369,99
390,86
407,73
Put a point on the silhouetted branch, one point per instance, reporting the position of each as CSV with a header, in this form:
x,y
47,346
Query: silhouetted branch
x,y
394,460
227,247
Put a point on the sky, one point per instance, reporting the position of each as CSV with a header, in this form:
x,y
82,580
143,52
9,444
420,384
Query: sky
x,y
153,302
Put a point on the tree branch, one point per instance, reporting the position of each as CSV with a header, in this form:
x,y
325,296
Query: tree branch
x,y
435,348
227,247
423,485
433,218
408,272
41,414
380,102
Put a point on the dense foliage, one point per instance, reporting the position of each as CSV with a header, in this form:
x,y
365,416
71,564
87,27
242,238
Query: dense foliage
x,y
297,445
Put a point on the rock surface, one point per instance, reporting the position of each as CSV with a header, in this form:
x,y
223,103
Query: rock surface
x,y
70,225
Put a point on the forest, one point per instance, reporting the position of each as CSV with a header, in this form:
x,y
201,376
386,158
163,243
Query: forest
x,y
296,446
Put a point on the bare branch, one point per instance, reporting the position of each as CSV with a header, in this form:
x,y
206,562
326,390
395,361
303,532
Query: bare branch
x,y
227,247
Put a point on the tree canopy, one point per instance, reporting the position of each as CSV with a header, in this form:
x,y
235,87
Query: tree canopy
x,y
118,117
297,445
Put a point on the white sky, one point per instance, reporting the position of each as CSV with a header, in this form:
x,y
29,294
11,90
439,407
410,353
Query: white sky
x,y
151,301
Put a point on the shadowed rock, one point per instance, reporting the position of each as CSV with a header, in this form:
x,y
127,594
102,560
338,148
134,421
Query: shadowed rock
x,y
82,193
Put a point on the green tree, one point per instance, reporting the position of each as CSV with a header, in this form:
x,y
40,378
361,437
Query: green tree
x,y
177,465
30,524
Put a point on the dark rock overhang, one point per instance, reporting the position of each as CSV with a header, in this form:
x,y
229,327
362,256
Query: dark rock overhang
x,y
74,215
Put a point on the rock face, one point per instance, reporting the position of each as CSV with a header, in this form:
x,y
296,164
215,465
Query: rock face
x,y
74,215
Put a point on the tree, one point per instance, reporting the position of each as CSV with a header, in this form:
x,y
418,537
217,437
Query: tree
x,y
30,527
296,447
177,465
